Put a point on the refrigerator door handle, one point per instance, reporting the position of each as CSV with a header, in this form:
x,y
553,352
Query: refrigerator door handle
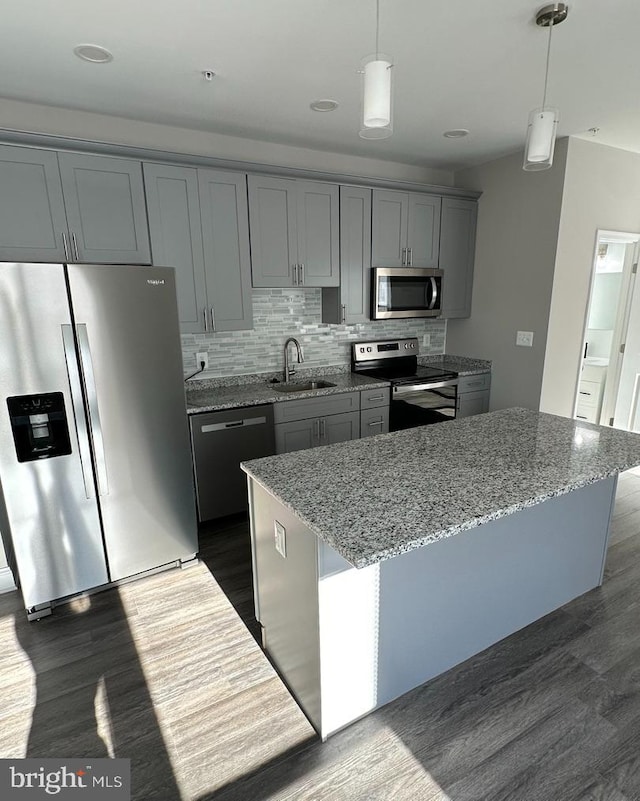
x,y
86,365
75,386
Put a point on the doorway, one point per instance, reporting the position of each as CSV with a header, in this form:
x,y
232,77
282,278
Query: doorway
x,y
609,384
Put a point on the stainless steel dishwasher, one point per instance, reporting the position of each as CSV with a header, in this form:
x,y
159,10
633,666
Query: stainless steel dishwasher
x,y
220,441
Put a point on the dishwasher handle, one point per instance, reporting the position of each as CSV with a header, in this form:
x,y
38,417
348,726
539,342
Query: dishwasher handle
x,y
247,421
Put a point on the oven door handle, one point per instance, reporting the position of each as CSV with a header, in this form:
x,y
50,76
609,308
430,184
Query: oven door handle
x,y
412,388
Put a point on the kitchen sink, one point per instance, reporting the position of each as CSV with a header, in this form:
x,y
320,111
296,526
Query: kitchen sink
x,y
302,386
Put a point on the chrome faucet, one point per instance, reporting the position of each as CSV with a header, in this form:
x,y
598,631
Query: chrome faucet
x,y
288,369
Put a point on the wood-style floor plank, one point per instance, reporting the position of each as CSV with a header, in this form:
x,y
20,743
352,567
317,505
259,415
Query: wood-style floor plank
x,y
168,672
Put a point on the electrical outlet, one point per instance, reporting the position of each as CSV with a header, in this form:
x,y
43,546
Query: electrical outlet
x,y
426,340
202,356
524,339
280,536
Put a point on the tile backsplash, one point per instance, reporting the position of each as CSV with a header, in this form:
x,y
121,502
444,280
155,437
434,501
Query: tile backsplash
x,y
281,313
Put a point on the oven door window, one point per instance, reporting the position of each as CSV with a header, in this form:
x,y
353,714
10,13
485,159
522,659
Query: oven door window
x,y
400,293
422,408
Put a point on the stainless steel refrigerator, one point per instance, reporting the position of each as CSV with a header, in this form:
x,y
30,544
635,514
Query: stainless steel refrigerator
x,y
95,466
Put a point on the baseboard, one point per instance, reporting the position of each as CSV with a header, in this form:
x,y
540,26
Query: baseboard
x,y
6,580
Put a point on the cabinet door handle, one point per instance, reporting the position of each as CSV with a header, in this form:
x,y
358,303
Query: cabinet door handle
x,y
322,428
316,429
74,247
375,398
213,319
344,313
410,256
295,275
302,274
582,392
376,423
404,255
65,245
206,322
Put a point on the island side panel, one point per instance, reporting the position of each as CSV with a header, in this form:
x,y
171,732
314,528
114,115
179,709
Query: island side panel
x,y
445,602
286,595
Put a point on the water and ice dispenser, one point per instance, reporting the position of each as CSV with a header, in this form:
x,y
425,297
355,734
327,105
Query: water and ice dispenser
x,y
39,425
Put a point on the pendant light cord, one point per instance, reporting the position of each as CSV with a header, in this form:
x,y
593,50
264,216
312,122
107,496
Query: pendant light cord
x,y
546,73
378,27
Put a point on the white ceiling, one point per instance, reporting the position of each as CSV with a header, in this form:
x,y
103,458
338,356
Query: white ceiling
x,y
458,64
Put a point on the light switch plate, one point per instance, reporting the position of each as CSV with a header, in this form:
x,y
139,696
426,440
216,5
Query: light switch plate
x,y
524,339
426,340
280,534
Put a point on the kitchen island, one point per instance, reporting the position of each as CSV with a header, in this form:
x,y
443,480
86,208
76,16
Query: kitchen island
x,y
380,563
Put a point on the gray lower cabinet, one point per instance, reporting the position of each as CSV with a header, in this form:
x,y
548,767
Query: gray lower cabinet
x,y
374,421
457,249
71,207
406,229
198,222
294,232
374,411
326,430
220,441
473,394
350,302
310,422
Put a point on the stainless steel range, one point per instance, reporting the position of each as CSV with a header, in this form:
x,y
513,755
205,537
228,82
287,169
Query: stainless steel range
x,y
420,395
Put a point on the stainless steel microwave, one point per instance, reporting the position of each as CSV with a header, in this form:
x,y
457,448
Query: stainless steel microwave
x,y
398,292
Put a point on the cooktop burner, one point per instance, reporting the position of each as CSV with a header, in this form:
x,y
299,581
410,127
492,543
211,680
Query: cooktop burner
x,y
395,360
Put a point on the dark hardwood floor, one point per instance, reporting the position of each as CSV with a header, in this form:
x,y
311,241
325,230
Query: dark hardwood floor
x,y
167,671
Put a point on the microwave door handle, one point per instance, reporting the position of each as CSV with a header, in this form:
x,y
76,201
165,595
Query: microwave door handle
x,y
434,293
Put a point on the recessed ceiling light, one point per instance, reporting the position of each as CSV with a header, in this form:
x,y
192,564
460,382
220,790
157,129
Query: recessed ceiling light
x,y
323,105
456,133
93,53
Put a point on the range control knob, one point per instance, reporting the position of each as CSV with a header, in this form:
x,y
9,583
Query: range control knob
x,y
368,350
413,344
406,344
361,350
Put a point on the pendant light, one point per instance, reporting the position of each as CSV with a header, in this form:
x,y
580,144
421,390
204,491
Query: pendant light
x,y
543,121
376,70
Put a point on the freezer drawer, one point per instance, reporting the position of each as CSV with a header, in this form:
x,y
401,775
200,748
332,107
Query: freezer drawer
x,y
220,441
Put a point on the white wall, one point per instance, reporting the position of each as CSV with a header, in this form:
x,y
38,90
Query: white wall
x,y
518,220
33,118
601,190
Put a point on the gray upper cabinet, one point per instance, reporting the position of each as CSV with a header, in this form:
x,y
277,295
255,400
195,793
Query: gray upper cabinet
x,y
198,221
106,211
457,247
32,216
225,235
423,230
294,232
176,238
71,207
406,229
349,303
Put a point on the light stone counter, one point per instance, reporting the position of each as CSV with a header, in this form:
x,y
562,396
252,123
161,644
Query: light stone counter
x,y
361,588
216,398
373,499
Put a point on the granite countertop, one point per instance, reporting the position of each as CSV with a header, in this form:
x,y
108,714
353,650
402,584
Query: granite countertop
x,y
210,395
255,393
375,498
461,365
